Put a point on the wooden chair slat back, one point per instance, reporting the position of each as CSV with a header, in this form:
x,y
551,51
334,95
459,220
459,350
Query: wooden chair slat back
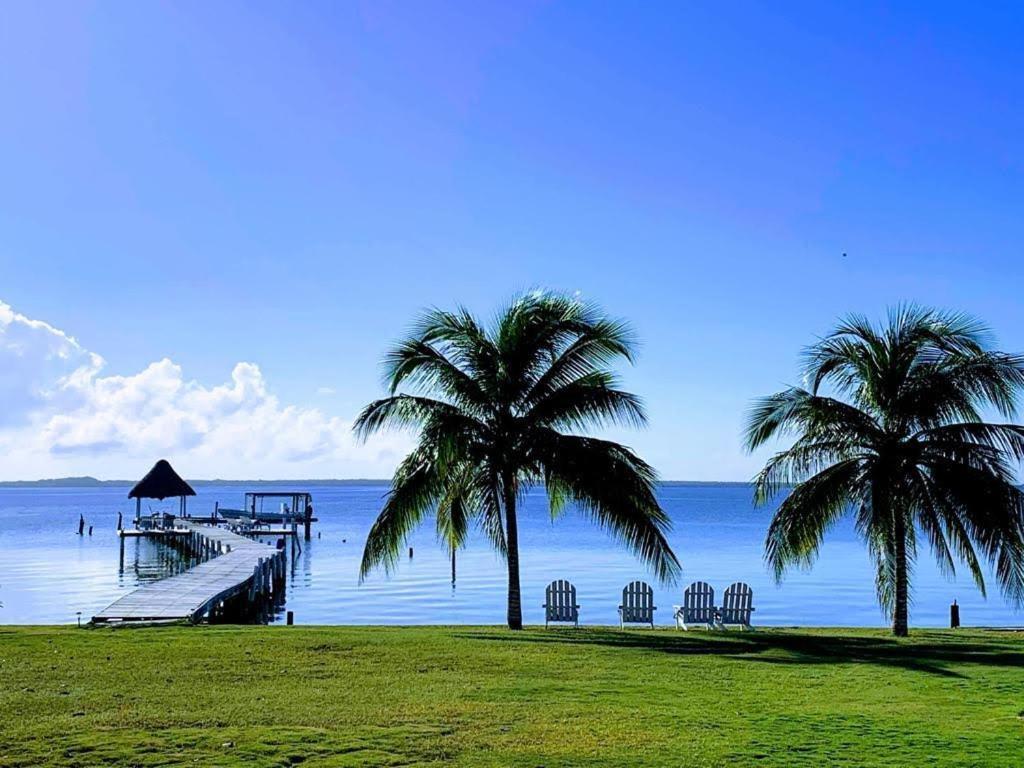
x,y
737,604
699,603
638,603
560,601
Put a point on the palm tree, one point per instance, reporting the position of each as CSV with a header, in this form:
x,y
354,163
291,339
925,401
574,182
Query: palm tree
x,y
493,405
898,440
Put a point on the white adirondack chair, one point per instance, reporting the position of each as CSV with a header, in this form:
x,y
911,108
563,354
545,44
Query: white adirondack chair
x,y
560,603
637,605
698,608
737,605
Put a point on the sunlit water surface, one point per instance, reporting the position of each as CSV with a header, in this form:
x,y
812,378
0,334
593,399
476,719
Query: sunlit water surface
x,y
48,573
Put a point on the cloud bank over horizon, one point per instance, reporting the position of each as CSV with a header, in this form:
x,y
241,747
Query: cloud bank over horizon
x,y
62,416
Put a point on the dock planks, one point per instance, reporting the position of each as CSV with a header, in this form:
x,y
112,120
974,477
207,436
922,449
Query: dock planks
x,y
191,594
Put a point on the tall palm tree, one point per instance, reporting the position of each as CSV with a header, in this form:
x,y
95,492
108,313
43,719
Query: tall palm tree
x,y
493,405
890,429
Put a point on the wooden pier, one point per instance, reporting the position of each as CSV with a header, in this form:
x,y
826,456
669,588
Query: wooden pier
x,y
233,575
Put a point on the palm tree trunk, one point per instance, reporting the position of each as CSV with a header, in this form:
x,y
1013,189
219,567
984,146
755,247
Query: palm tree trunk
x,y
899,621
515,600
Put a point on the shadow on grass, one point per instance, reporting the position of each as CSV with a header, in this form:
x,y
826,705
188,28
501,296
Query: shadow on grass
x,y
931,653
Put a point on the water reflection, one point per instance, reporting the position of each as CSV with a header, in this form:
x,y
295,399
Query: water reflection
x,y
143,560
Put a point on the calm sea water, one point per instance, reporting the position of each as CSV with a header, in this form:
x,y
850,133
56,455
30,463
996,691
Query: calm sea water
x,y
48,573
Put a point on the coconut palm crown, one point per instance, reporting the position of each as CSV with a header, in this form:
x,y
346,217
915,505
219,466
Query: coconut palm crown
x,y
890,429
495,406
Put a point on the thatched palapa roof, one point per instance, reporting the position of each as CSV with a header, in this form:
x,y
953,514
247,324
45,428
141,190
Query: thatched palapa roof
x,y
161,482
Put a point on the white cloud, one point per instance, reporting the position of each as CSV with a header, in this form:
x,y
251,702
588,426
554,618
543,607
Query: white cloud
x,y
37,363
62,416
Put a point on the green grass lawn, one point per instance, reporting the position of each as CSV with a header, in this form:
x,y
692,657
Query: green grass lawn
x,y
338,696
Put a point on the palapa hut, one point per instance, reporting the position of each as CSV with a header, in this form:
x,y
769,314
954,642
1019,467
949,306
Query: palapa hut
x,y
161,482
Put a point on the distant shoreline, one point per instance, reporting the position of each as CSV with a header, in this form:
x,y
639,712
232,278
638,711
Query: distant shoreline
x,y
92,482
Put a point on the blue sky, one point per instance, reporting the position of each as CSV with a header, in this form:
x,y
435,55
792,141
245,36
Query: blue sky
x,y
287,185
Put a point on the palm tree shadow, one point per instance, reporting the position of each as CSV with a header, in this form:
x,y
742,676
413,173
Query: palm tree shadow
x,y
934,653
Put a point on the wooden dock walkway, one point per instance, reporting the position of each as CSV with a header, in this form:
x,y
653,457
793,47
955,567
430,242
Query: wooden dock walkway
x,y
237,569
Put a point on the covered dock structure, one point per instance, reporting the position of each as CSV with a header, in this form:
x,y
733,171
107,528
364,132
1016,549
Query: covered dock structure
x,y
292,508
161,482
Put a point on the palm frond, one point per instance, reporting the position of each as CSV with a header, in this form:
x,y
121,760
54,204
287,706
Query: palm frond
x,y
410,411
806,457
796,410
459,338
414,493
417,363
542,336
455,507
944,521
801,521
990,509
613,486
1007,440
591,400
596,346
958,387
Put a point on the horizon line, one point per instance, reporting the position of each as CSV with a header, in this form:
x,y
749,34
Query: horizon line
x,y
87,480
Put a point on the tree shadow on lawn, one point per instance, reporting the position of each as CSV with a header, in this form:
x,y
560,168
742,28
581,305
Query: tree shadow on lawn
x,y
931,653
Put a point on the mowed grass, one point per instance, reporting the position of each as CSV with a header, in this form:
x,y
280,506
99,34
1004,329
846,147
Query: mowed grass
x,y
374,696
